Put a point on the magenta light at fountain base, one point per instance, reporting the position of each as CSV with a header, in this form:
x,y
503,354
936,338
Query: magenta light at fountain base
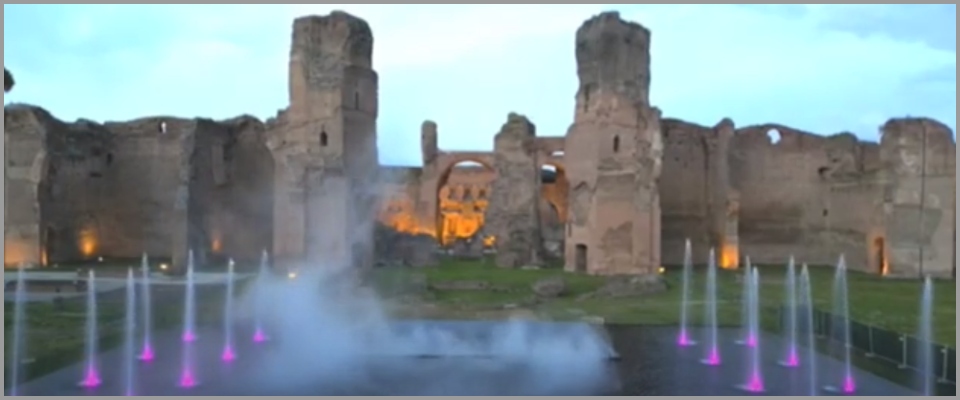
x,y
849,386
259,336
189,337
146,354
91,379
755,385
713,358
187,380
684,340
793,360
228,354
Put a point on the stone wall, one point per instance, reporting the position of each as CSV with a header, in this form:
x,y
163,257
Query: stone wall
x,y
806,195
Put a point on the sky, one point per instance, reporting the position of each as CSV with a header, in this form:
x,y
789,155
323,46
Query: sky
x,y
821,68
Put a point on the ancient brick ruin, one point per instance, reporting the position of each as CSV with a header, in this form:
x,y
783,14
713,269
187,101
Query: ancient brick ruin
x,y
627,186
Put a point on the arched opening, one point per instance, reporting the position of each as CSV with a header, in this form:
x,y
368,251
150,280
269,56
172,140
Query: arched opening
x,y
323,139
774,136
462,200
616,144
162,127
880,247
558,153
554,188
580,258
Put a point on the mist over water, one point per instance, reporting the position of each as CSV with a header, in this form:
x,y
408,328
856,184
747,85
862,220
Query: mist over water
x,y
326,332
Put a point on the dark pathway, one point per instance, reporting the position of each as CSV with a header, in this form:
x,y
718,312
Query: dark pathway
x,y
651,364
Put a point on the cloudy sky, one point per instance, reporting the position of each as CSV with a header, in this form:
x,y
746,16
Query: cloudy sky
x,y
816,67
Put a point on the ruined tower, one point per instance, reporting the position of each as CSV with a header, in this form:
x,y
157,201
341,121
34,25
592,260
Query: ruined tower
x,y
513,215
326,148
613,153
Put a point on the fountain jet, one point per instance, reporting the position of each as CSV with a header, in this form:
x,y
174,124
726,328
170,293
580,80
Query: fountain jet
x,y
259,335
146,352
925,335
188,377
683,339
841,320
229,354
19,322
91,372
712,357
806,304
754,382
129,336
749,339
791,358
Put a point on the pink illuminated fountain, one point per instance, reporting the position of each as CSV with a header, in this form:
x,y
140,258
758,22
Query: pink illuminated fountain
x,y
188,371
791,358
754,383
683,338
749,338
146,352
841,320
712,357
229,354
91,372
259,335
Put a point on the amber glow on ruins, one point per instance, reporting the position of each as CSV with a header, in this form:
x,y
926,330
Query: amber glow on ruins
x,y
88,243
729,257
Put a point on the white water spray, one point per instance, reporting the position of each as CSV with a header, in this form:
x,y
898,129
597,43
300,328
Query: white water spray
x,y
806,304
712,356
229,353
19,325
129,337
683,339
91,372
791,357
146,351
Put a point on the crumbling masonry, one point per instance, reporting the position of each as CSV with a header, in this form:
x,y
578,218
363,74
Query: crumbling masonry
x,y
626,188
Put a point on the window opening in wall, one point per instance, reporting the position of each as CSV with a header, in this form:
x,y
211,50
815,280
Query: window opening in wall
x,y
96,175
580,263
162,127
356,100
109,158
323,139
826,212
774,136
616,144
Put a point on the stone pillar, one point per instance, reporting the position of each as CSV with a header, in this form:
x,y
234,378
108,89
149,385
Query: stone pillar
x,y
724,203
184,205
23,178
919,156
513,214
326,152
613,153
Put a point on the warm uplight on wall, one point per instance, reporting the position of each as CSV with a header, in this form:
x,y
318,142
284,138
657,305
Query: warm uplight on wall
x,y
729,257
216,245
88,246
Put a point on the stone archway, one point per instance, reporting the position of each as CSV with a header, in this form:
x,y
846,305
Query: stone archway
x,y
442,169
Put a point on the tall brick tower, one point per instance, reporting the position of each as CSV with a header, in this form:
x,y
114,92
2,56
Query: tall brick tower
x,y
613,153
326,147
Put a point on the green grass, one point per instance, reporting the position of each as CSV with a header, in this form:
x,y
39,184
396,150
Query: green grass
x,y
884,303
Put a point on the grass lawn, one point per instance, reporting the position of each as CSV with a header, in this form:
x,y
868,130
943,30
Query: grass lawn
x,y
885,303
